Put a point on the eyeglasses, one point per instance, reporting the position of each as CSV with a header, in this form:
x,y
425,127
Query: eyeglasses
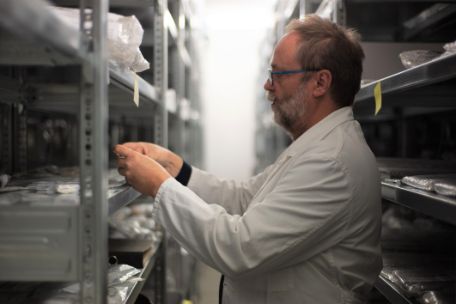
x,y
272,73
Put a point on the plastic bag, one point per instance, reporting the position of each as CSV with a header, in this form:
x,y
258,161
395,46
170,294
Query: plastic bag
x,y
122,273
446,183
446,187
450,48
135,222
125,35
413,58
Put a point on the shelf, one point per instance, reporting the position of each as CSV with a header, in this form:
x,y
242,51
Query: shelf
x,y
121,198
326,9
434,72
48,28
113,3
117,198
33,20
402,20
390,291
126,80
52,292
187,113
64,97
145,273
429,18
174,35
286,9
39,241
148,41
402,1
39,234
428,203
14,51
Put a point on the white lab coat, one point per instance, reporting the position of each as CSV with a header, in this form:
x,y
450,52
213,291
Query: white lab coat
x,y
306,230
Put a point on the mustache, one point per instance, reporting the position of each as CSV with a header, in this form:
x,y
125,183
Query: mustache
x,y
270,96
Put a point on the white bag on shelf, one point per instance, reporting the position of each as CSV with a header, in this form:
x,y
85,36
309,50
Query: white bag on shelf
x,y
125,35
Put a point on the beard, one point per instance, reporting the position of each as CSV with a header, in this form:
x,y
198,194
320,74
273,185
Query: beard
x,y
289,110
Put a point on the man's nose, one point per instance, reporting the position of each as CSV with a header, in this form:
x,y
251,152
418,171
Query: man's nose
x,y
267,85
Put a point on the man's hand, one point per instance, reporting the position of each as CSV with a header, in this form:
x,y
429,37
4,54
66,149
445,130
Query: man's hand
x,y
169,160
141,172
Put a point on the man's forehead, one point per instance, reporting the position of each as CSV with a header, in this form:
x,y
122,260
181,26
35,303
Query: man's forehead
x,y
285,50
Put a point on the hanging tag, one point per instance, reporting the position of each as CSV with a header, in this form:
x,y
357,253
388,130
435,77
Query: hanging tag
x,y
378,97
135,89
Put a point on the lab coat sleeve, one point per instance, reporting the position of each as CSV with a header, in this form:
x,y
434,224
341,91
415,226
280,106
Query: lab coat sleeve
x,y
233,196
305,214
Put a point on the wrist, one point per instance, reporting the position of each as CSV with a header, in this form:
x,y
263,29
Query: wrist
x,y
184,174
174,163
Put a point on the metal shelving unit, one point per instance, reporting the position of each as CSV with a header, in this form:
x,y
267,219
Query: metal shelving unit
x,y
144,275
63,238
435,205
425,91
417,84
46,29
390,291
126,81
40,234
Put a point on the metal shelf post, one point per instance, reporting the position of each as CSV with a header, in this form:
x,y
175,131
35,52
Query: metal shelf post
x,y
161,73
93,155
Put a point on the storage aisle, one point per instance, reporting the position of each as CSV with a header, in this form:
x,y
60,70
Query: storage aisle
x,y
63,107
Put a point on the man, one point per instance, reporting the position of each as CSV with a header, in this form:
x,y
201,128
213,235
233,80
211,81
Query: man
x,y
307,229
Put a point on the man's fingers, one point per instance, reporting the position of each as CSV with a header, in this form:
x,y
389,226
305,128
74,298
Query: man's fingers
x,y
123,152
137,146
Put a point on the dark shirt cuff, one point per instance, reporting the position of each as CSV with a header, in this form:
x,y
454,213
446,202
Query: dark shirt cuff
x,y
184,174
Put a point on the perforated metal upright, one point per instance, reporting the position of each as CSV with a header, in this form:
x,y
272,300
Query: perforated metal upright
x,y
178,73
161,123
93,153
161,72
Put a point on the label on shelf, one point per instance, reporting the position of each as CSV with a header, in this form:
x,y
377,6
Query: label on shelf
x,y
378,97
135,89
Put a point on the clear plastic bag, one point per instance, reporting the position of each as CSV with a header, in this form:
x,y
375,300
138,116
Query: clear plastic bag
x,y
446,187
125,35
446,183
119,274
436,297
413,58
135,222
450,48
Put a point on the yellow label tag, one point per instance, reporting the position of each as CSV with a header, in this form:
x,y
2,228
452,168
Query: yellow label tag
x,y
135,89
378,97
187,302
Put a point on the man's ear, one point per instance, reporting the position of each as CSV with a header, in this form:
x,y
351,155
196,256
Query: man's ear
x,y
323,80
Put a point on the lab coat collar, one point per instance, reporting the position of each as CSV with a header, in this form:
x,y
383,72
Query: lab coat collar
x,y
319,130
